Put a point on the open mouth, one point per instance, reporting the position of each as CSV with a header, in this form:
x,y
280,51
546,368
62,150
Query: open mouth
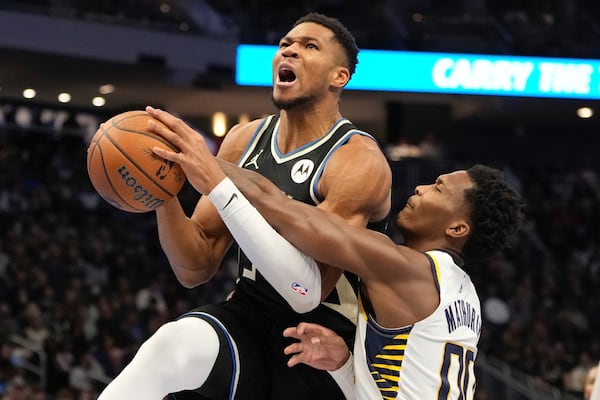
x,y
286,75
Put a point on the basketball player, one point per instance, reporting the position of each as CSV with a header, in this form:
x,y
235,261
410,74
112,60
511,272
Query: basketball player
x,y
235,349
420,316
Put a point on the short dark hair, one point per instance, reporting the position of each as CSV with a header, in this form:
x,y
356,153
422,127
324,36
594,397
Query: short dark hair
x,y
341,35
496,212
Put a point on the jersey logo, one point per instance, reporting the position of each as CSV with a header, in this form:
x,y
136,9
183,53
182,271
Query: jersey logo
x,y
254,160
301,170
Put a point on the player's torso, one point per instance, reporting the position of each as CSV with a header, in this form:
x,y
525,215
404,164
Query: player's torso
x,y
297,174
432,359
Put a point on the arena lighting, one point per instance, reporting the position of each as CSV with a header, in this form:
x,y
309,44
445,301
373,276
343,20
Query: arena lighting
x,y
243,118
219,124
29,93
98,101
585,112
107,88
452,73
64,97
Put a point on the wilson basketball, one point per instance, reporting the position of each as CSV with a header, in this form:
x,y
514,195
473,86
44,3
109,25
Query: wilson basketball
x,y
124,170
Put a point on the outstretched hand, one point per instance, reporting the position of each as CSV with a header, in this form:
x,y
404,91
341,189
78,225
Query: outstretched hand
x,y
318,347
195,158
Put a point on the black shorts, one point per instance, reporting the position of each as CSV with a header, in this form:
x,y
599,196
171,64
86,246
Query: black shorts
x,y
251,364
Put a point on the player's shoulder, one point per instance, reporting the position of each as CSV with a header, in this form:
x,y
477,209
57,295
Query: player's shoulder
x,y
358,178
243,131
236,140
363,141
364,150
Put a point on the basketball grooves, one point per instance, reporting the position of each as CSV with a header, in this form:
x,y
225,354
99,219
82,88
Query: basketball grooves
x,y
115,124
125,171
115,192
106,135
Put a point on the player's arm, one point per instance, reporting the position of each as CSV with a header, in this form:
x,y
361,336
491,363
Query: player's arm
x,y
195,245
394,275
326,236
295,276
297,279
356,185
358,193
322,348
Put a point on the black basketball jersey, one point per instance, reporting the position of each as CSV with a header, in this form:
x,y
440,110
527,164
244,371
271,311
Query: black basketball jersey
x,y
297,174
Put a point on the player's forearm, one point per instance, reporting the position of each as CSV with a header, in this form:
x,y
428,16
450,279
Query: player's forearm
x,y
178,237
295,276
299,223
261,192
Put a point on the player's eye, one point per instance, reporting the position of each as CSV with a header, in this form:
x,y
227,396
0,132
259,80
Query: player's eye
x,y
312,46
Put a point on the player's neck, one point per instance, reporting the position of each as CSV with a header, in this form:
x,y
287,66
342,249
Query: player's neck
x,y
298,127
424,245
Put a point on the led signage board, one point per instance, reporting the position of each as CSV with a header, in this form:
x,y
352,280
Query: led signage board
x,y
452,73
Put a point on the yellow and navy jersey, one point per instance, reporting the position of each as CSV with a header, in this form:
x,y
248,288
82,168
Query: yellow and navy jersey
x,y
431,359
297,174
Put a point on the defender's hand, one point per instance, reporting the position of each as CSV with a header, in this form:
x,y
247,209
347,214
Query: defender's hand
x,y
318,347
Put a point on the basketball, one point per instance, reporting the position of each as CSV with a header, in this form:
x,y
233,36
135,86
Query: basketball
x,y
124,170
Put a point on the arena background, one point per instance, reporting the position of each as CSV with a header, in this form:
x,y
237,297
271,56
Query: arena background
x,y
83,284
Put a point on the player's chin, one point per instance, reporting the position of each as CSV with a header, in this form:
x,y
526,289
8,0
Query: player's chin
x,y
282,102
403,219
281,95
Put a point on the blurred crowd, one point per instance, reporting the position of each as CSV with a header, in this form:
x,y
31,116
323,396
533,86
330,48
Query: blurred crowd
x,y
83,284
548,281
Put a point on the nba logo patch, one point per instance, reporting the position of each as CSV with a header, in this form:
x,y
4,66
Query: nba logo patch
x,y
298,288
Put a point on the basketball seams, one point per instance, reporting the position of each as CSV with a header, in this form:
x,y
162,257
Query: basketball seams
x,y
109,180
95,140
125,152
149,135
135,164
116,124
95,143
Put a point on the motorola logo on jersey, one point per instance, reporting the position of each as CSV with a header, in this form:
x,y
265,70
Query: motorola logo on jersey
x,y
301,170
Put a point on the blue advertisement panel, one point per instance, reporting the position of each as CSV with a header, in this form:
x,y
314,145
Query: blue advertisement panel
x,y
452,73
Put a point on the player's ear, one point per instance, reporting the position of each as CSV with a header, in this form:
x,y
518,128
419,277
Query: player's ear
x,y
341,77
458,229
